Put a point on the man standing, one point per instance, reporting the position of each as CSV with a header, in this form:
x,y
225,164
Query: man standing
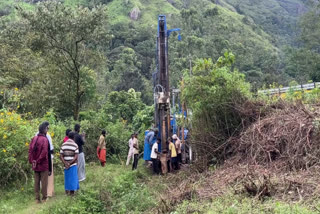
x,y
39,156
173,155
177,143
81,161
50,191
69,155
101,149
130,153
148,141
135,152
154,157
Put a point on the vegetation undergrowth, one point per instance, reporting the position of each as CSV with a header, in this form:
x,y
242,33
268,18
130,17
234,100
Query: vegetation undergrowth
x,y
118,189
231,204
112,189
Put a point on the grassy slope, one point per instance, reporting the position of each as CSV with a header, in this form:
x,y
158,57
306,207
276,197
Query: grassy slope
x,y
120,190
235,20
277,17
150,9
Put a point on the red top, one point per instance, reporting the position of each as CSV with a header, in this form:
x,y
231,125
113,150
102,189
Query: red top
x,y
38,151
65,139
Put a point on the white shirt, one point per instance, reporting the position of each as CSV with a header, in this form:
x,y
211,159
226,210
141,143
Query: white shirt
x,y
153,150
131,145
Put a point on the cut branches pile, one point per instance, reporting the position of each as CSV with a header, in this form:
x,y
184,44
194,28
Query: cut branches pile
x,y
286,138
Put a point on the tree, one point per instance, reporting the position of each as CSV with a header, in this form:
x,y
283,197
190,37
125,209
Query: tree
x,y
68,38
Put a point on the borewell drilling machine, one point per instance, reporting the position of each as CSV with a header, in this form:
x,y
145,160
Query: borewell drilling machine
x,y
161,83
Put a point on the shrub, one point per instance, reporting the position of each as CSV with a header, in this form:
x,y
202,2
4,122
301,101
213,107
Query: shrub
x,y
213,92
16,132
15,135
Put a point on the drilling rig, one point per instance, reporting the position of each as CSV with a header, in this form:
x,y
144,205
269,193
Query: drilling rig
x,y
161,83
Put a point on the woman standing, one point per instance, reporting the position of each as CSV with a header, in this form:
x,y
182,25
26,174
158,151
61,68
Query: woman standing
x,y
101,149
69,156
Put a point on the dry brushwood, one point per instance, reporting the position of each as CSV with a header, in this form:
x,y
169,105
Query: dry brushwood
x,y
286,136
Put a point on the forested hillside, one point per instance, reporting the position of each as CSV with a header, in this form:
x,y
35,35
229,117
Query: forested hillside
x,y
208,30
276,17
92,62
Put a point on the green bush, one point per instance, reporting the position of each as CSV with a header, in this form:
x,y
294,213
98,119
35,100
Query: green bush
x,y
16,132
123,114
213,92
15,135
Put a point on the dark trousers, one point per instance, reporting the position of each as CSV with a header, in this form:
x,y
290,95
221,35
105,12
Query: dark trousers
x,y
169,166
175,163
179,158
43,178
135,161
155,165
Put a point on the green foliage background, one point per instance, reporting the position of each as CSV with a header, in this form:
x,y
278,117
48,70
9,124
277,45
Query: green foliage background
x,y
88,62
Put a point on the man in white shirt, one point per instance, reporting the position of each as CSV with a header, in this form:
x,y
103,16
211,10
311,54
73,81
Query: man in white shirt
x,y
154,157
135,151
130,152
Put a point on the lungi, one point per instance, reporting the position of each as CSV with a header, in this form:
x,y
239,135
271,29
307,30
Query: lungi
x,y
81,167
102,155
71,181
51,182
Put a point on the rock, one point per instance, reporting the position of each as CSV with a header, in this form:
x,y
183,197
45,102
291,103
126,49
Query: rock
x,y
135,13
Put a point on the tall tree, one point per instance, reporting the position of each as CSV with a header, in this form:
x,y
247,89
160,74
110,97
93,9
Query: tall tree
x,y
68,38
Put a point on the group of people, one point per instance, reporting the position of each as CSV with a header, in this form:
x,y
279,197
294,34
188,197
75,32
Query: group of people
x,y
152,149
41,152
172,155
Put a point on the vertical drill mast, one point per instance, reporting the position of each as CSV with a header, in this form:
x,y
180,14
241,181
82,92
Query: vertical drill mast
x,y
163,94
161,83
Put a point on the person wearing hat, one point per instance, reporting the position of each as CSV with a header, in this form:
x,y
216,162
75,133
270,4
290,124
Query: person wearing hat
x,y
173,155
177,143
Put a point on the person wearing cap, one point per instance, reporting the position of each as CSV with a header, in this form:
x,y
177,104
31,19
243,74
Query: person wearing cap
x,y
173,155
177,143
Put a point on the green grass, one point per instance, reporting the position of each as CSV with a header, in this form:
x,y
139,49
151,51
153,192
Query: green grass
x,y
114,188
118,189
